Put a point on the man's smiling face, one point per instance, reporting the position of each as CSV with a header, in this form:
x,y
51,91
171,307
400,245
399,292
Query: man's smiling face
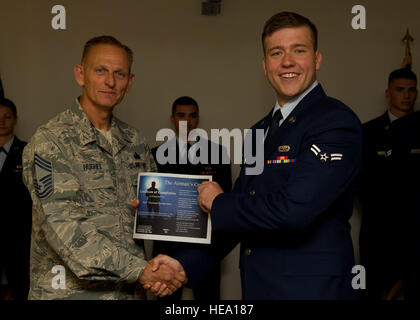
x,y
290,62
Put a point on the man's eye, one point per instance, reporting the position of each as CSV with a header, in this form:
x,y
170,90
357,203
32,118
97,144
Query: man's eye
x,y
100,70
121,74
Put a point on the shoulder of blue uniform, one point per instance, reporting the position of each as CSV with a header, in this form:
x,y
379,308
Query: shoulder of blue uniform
x,y
332,108
377,123
20,143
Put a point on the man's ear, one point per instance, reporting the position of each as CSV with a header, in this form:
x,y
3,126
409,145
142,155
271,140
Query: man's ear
x,y
318,60
130,82
263,65
79,74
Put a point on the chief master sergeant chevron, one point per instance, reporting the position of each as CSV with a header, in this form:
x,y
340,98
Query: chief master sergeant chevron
x,y
81,169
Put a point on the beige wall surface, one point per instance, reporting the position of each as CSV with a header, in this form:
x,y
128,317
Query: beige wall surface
x,y
215,59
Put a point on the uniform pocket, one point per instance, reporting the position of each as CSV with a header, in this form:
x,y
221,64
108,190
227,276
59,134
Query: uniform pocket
x,y
98,179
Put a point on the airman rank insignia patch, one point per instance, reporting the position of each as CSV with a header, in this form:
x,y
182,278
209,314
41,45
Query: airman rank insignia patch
x,y
324,156
43,173
284,159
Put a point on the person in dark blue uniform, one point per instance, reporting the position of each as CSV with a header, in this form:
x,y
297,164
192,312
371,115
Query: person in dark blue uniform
x,y
186,109
292,219
15,234
407,162
388,177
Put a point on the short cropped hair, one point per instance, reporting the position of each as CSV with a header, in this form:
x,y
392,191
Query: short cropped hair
x,y
403,73
285,19
106,40
9,103
186,101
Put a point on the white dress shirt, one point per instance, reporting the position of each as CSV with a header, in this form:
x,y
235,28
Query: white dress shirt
x,y
288,107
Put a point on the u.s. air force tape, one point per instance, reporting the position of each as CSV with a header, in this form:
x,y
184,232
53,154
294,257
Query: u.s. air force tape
x,y
324,156
43,177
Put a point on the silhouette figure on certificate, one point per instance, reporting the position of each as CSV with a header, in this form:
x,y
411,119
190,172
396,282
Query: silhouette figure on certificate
x,y
153,199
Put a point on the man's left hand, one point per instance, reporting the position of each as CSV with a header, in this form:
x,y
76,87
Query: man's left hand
x,y
207,192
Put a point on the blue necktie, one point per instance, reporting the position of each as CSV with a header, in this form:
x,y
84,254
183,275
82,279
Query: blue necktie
x,y
274,125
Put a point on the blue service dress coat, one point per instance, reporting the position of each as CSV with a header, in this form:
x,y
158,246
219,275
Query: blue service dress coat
x,y
406,156
380,230
292,219
15,228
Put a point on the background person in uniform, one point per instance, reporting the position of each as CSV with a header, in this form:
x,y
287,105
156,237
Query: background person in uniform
x,y
186,109
15,234
81,168
292,219
406,155
382,180
153,199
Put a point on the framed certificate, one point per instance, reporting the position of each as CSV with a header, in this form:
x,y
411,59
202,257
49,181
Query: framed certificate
x,y
169,210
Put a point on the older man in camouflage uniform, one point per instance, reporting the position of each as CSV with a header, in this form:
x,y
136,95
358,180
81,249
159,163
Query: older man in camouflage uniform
x,y
81,169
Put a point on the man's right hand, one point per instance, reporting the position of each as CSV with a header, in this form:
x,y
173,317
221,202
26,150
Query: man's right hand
x,y
163,275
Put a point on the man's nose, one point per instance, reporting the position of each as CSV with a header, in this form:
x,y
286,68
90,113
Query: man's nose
x,y
288,60
406,94
110,79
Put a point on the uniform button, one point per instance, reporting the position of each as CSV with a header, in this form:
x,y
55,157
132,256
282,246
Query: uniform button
x,y
247,251
252,192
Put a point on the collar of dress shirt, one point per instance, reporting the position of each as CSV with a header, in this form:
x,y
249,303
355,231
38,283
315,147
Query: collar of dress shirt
x,y
392,118
8,144
182,151
288,107
3,156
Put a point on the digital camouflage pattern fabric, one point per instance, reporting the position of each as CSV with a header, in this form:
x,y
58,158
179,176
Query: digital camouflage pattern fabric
x,y
82,187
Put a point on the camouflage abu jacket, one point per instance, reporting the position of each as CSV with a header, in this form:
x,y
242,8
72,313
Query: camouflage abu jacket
x,y
82,188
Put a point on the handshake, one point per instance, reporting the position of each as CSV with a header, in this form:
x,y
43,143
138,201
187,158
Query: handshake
x,y
163,275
